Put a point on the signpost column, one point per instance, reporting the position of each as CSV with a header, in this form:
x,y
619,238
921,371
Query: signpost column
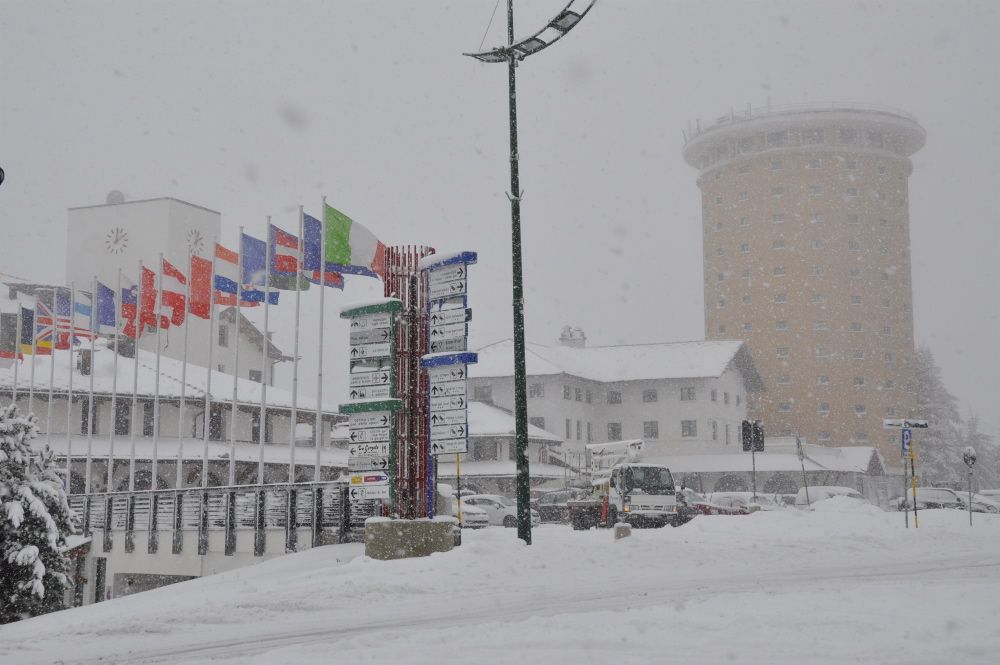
x,y
373,401
906,425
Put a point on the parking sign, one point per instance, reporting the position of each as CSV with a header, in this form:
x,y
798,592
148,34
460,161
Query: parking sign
x,y
907,433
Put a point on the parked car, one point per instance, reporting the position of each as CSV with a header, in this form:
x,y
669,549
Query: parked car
x,y
932,497
552,507
472,516
983,504
821,492
745,500
697,503
500,510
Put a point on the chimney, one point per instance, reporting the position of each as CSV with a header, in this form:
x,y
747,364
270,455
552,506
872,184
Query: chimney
x,y
573,338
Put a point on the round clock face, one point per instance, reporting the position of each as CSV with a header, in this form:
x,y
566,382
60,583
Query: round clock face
x,y
116,241
195,241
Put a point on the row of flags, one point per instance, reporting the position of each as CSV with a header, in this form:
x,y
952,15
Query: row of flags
x,y
59,317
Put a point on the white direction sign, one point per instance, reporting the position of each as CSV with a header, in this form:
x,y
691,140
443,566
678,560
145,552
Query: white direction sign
x,y
447,403
381,350
451,331
454,344
446,373
449,389
369,478
370,378
370,335
367,321
449,274
903,423
456,431
370,365
368,435
369,419
370,392
448,316
447,289
456,417
367,463
362,492
445,446
377,449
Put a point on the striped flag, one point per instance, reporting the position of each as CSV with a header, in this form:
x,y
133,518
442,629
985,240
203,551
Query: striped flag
x,y
312,247
173,285
350,247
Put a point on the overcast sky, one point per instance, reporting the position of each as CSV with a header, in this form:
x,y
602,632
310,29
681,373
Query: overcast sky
x,y
251,108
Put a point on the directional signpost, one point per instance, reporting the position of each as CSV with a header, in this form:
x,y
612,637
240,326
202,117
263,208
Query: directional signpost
x,y
447,363
906,426
373,400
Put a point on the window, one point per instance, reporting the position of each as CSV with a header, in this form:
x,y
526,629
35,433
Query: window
x,y
859,381
889,384
857,326
614,397
821,326
719,251
722,329
123,417
858,355
776,165
852,192
147,419
482,393
785,407
256,375
818,299
579,430
687,394
721,276
823,409
725,398
881,170
812,136
813,163
822,352
744,196
887,358
778,218
537,421
887,331
589,397
715,430
859,410
780,298
567,393
223,335
778,244
855,300
215,423
885,276
853,219
855,273
816,218
816,271
747,326
714,395
718,226
854,245
651,429
782,351
614,431
779,271
885,304
727,434
777,191
822,380
569,429
824,436
536,390
746,273
848,136
649,395
745,248
781,325
744,221
590,433
817,243
578,393
718,200
85,416
890,412
746,145
815,190
689,428
777,139
747,299
784,380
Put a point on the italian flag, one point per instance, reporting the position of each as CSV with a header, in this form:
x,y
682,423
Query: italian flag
x,y
350,247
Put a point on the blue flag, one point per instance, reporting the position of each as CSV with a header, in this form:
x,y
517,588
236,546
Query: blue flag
x,y
254,257
105,307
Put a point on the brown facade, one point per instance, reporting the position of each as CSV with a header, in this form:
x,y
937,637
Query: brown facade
x,y
806,253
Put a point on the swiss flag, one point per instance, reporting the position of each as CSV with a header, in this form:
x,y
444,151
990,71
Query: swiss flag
x,y
172,292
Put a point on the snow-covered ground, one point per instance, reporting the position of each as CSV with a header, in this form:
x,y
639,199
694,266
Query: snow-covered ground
x,y
845,583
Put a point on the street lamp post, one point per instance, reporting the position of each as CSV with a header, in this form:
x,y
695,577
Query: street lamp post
x,y
563,22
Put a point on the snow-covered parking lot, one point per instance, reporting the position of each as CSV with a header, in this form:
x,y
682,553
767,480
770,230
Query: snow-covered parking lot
x,y
843,584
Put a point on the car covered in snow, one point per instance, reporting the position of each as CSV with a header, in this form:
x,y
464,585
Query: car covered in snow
x,y
929,498
471,517
552,506
822,492
746,500
500,510
690,501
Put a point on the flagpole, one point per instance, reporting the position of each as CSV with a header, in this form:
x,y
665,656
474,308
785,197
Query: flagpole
x,y
158,295
17,352
116,301
263,363
184,355
34,354
69,391
208,374
295,359
52,369
318,426
90,400
236,364
135,380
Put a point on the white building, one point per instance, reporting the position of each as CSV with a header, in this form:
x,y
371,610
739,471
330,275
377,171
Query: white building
x,y
672,395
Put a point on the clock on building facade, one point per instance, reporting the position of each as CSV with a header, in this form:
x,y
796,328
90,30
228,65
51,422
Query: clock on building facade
x,y
116,241
195,242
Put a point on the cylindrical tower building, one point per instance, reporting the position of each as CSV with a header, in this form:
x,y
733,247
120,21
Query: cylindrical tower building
x,y
805,215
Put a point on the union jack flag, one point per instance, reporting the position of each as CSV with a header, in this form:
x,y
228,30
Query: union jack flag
x,y
59,327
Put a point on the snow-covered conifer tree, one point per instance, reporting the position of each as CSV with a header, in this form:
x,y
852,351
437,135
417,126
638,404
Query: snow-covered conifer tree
x,y
35,519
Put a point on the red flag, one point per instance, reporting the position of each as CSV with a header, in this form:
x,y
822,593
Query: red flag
x,y
201,287
146,308
172,283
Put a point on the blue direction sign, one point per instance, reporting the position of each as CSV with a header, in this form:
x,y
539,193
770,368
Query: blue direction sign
x,y
907,435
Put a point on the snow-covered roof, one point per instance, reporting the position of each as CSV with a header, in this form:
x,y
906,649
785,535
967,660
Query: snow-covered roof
x,y
497,468
248,392
778,455
629,362
486,420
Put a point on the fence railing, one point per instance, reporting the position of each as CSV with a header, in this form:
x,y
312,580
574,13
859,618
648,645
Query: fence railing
x,y
322,507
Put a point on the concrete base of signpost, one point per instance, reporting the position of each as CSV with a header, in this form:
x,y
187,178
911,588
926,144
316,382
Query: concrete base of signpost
x,y
387,539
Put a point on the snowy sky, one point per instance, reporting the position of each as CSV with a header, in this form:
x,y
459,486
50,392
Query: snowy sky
x,y
254,107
